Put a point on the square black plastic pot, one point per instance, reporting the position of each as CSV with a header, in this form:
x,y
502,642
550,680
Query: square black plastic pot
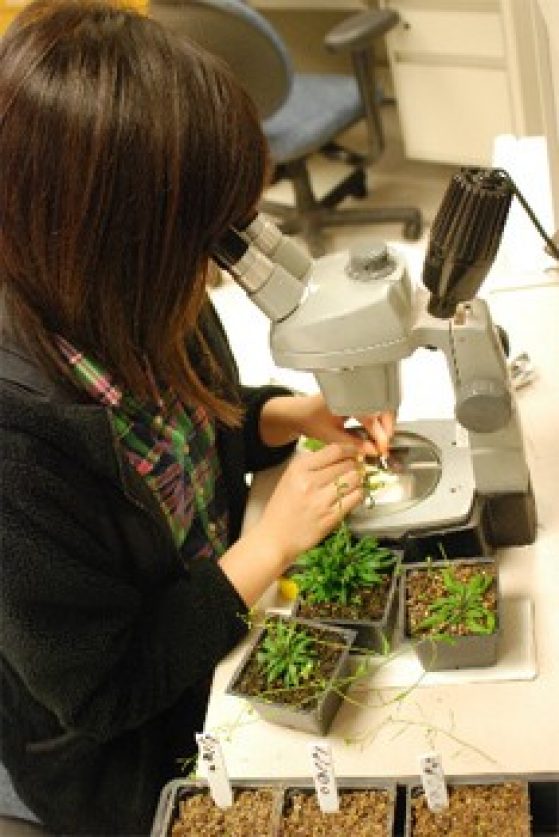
x,y
414,790
317,718
472,651
179,789
371,633
346,784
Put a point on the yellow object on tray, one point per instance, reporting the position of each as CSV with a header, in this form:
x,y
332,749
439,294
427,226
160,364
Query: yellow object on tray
x,y
288,588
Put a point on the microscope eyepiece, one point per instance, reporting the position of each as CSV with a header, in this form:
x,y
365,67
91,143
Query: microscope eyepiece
x,y
230,249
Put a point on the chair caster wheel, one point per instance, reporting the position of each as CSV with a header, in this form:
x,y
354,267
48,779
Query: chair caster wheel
x,y
413,230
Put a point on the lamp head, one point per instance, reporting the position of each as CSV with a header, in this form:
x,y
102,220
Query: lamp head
x,y
465,237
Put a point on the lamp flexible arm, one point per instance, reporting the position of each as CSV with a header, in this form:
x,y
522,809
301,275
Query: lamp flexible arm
x,y
551,246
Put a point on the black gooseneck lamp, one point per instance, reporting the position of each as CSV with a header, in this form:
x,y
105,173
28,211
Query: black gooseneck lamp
x,y
466,234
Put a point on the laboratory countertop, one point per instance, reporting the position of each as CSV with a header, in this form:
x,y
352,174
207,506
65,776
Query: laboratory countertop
x,y
502,725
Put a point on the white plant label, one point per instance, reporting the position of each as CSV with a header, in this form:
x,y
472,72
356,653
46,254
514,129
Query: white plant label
x,y
322,766
433,781
211,756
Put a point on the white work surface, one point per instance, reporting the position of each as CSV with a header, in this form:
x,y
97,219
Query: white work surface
x,y
507,721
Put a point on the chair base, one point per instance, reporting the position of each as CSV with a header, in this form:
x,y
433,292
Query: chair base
x,y
310,215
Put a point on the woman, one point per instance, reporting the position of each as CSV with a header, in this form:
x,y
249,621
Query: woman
x,y
126,436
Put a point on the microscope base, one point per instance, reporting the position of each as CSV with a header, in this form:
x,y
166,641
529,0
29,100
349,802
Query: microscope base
x,y
511,519
497,521
467,539
444,512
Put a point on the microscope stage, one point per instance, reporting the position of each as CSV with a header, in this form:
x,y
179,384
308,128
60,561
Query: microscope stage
x,y
429,483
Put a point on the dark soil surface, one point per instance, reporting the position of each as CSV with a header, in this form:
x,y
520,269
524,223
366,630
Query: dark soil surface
x,y
425,586
476,811
253,683
371,608
363,813
252,815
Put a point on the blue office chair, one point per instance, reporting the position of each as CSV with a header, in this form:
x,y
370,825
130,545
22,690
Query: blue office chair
x,y
302,113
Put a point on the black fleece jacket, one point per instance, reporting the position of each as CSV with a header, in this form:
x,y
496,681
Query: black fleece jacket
x,y
109,635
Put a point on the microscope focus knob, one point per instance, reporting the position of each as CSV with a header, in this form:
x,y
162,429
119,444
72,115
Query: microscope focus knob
x,y
369,260
483,405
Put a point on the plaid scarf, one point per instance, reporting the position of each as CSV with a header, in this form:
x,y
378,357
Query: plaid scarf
x,y
172,447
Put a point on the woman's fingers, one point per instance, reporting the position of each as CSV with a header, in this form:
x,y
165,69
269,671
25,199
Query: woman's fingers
x,y
380,436
380,427
332,454
344,504
317,490
340,485
388,421
332,471
345,484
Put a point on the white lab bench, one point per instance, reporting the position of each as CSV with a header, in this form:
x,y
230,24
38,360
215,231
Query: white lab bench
x,y
504,724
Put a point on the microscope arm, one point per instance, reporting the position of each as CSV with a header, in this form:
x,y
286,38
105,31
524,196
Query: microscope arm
x,y
484,400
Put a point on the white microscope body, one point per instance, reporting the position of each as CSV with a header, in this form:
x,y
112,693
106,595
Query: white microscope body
x,y
350,318
358,319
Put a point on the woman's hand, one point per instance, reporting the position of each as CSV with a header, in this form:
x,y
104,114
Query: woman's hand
x,y
380,427
315,492
313,495
285,418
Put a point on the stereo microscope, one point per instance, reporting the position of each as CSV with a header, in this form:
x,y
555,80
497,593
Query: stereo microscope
x,y
350,318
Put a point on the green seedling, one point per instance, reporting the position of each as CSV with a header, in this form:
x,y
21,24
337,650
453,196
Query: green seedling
x,y
312,444
461,605
339,567
374,479
287,654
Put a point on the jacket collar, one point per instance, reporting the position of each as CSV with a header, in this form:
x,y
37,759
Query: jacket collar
x,y
18,368
35,404
39,407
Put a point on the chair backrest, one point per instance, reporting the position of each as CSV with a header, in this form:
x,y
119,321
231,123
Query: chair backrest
x,y
240,36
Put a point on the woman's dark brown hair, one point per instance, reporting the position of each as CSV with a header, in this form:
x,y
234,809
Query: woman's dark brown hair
x,y
125,153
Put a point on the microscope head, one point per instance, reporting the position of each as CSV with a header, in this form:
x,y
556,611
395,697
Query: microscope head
x,y
361,390
465,237
345,317
351,328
